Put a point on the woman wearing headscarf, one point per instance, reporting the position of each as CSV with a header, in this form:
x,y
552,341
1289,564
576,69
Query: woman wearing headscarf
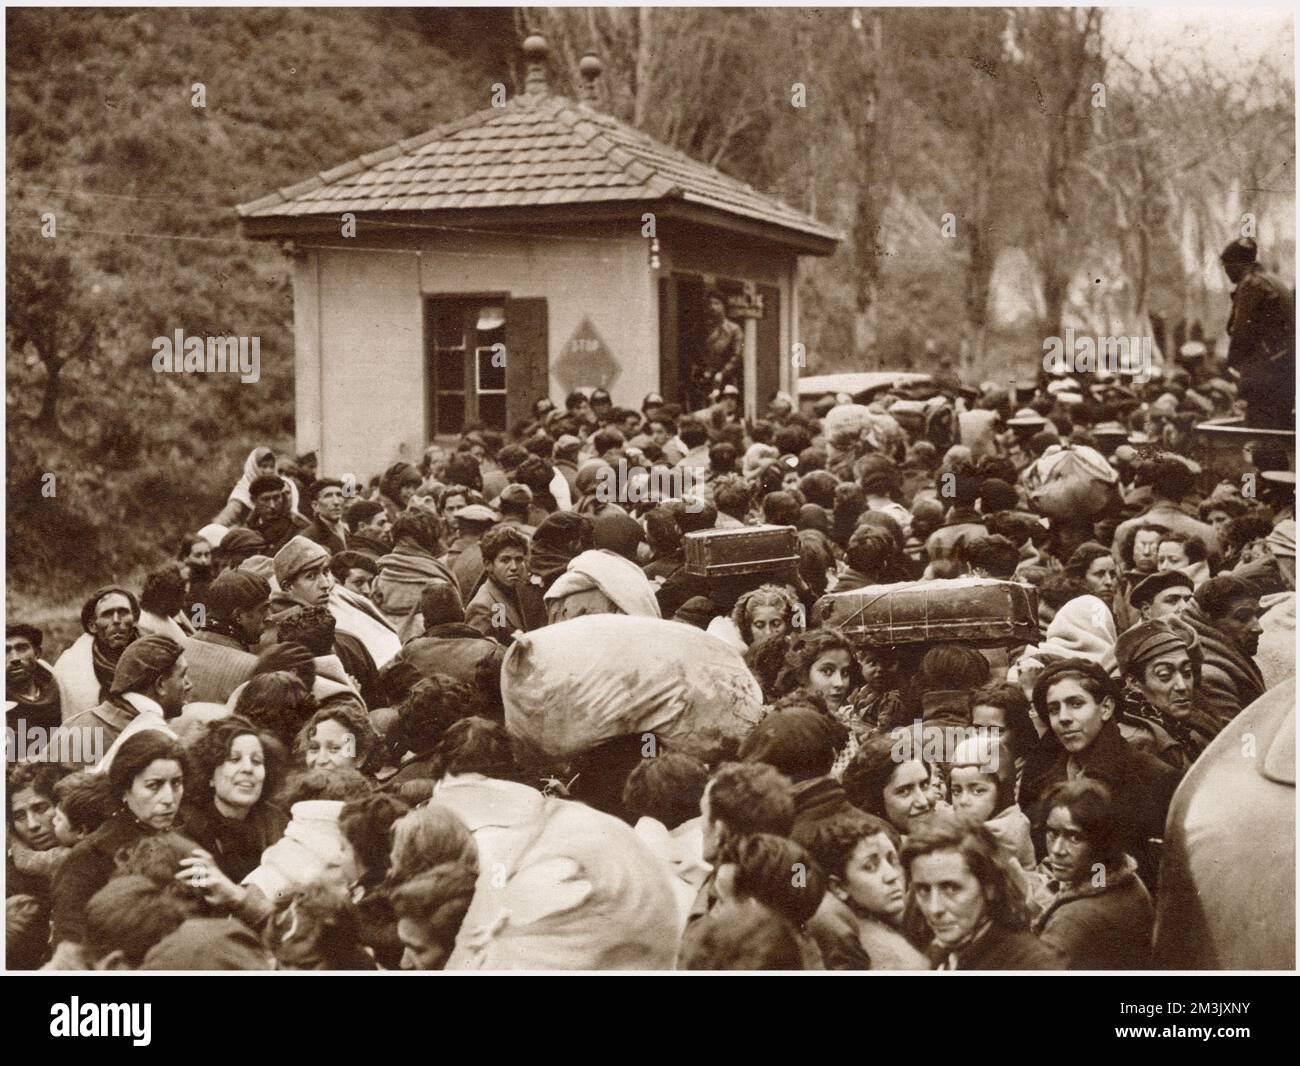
x,y
1082,629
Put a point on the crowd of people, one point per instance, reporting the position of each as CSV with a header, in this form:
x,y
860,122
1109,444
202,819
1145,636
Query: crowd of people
x,y
291,748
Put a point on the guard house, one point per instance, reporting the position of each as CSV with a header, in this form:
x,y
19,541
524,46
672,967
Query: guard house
x,y
463,274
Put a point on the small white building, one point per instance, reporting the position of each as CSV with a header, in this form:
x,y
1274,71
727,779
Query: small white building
x,y
503,258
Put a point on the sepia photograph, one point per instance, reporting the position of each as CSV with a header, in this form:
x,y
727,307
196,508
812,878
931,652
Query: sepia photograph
x,y
632,488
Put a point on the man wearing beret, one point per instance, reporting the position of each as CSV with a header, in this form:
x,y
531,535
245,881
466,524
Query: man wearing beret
x,y
33,699
272,516
222,653
1160,663
1161,595
1262,328
85,669
151,682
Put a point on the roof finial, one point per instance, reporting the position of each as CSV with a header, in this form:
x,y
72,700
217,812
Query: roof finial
x,y
536,51
590,67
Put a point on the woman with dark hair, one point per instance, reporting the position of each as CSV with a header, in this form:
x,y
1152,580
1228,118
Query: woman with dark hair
x,y
561,537
964,887
147,779
230,811
1098,914
887,779
859,855
820,662
1094,565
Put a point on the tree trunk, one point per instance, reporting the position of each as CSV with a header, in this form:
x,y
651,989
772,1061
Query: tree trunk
x,y
644,58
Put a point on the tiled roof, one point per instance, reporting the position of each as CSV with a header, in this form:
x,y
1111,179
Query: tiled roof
x,y
536,150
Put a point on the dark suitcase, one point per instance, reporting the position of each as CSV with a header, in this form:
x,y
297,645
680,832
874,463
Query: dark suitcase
x,y
975,610
727,553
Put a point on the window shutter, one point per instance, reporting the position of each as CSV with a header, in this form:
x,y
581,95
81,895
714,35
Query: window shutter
x,y
527,357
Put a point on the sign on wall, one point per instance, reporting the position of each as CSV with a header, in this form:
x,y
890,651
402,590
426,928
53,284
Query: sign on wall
x,y
585,360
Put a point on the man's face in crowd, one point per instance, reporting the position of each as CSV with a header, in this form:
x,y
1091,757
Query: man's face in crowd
x,y
380,527
173,690
453,503
1075,715
251,621
1172,556
114,624
510,567
1168,682
659,433
1101,577
717,309
1168,602
20,660
1068,855
268,504
267,465
32,819
312,585
1145,546
948,895
329,504
1241,624
358,581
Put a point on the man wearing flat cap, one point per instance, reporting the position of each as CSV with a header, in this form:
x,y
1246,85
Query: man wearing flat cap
x,y
302,572
1262,327
1160,663
222,653
151,682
